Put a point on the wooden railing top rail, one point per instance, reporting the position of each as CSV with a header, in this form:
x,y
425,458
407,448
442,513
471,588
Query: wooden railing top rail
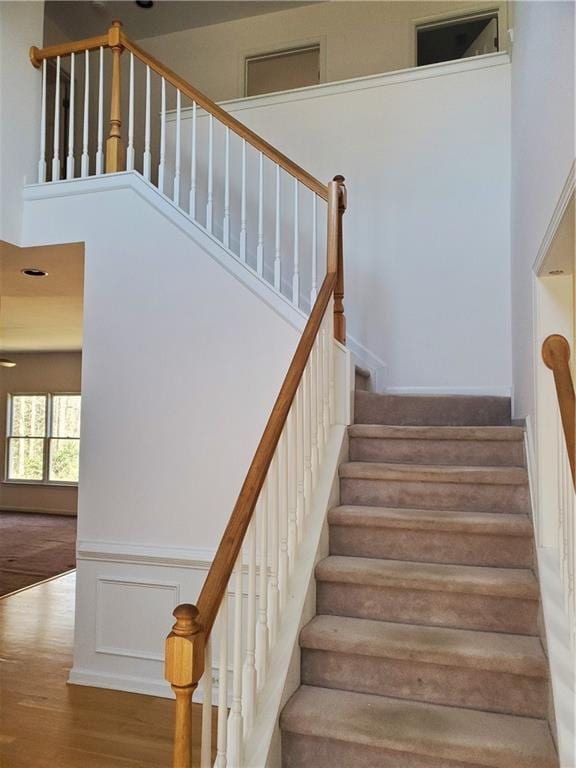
x,y
556,356
115,38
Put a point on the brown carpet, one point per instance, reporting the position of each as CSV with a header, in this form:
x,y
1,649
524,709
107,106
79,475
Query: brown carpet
x,y
34,547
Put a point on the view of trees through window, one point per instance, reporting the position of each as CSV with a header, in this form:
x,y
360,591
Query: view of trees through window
x,y
44,438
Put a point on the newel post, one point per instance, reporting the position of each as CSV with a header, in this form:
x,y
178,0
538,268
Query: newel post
x,y
339,316
114,146
184,666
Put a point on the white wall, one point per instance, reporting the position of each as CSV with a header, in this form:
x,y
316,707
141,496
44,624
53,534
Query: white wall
x,y
182,361
542,154
426,155
181,366
21,25
356,39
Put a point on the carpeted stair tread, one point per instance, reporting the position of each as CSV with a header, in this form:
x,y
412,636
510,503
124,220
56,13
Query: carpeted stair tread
x,y
431,410
434,577
515,654
441,732
365,470
390,432
498,523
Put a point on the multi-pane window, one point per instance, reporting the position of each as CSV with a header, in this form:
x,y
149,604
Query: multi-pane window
x,y
43,438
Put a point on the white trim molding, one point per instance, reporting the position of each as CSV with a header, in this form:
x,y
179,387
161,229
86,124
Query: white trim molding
x,y
356,84
367,359
134,181
143,554
560,208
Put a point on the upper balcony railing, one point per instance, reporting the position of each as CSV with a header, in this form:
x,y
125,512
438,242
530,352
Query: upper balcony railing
x,y
261,206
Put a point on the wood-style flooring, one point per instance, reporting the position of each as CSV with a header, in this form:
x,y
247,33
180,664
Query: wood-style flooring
x,y
46,723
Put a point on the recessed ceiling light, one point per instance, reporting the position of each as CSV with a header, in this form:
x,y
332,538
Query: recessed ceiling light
x,y
5,363
33,272
144,3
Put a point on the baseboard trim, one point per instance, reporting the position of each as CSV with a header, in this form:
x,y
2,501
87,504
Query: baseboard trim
x,y
36,511
451,390
368,360
126,683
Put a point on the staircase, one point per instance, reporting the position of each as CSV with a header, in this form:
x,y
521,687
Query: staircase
x,y
425,651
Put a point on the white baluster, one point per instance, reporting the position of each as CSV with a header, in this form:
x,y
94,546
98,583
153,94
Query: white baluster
x,y
273,518
300,499
325,381
314,289
226,220
291,487
249,675
56,150
314,412
193,165
70,157
130,147
222,739
260,236
332,382
262,626
85,160
42,160
210,197
277,263
296,275
176,194
235,724
99,151
162,164
243,205
147,157
206,737
320,395
283,565
307,416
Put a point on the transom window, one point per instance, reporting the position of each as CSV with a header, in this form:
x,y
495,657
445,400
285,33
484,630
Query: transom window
x,y
283,70
457,38
43,438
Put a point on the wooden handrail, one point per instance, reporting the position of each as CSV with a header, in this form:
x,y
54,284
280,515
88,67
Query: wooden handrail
x,y
38,55
226,118
185,645
225,559
117,41
556,356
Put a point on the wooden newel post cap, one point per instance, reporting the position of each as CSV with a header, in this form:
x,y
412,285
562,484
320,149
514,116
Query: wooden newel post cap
x,y
185,648
114,34
186,616
339,179
555,350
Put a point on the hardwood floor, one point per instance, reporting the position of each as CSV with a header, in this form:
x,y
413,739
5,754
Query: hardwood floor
x,y
45,723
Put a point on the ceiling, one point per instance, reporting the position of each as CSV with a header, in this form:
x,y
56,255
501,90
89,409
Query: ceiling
x,y
41,313
84,18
